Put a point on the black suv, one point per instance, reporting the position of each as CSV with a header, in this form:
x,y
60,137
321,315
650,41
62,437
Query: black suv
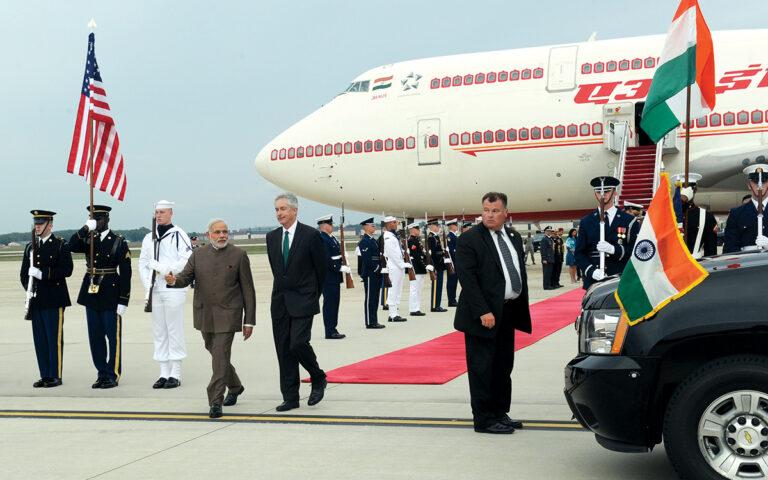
x,y
695,375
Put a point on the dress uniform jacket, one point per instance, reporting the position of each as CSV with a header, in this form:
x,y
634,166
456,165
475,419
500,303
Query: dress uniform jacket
x,y
369,260
741,227
111,252
225,298
621,233
547,250
708,245
418,258
55,261
451,239
436,250
333,248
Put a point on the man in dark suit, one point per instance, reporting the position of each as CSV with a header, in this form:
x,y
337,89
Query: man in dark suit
x,y
547,252
299,265
493,304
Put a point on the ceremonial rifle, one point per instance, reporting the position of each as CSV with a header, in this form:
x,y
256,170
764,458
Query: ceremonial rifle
x,y
347,276
427,251
155,243
446,253
406,253
602,222
759,202
31,293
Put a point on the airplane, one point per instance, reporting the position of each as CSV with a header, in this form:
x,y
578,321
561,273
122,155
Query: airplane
x,y
435,134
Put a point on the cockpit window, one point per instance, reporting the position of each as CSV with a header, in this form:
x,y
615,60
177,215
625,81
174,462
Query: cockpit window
x,y
361,86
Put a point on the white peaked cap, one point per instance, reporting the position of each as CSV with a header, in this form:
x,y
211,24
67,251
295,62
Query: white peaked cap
x,y
324,219
414,225
452,221
164,204
390,218
479,219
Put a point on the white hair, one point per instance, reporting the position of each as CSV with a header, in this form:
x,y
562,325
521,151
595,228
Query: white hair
x,y
215,221
290,198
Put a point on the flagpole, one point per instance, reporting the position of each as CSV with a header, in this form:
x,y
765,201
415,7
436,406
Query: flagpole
x,y
687,146
91,174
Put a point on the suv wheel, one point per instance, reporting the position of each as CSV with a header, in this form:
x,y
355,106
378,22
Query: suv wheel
x,y
716,423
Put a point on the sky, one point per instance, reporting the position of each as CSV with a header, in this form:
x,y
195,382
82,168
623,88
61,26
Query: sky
x,y
197,88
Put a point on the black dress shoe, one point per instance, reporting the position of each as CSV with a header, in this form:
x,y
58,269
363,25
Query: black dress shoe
x,y
39,383
497,428
231,397
285,406
439,309
172,383
318,392
375,325
335,336
418,313
385,307
160,383
506,420
453,304
549,288
98,383
397,319
215,411
108,383
51,382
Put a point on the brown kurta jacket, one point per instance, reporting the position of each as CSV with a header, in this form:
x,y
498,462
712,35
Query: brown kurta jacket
x,y
225,299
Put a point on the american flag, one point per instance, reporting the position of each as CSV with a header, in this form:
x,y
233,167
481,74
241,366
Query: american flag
x,y
109,167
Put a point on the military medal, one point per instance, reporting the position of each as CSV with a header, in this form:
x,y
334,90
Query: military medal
x,y
622,234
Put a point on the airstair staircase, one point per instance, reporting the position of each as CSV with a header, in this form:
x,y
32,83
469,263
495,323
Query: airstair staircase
x,y
638,170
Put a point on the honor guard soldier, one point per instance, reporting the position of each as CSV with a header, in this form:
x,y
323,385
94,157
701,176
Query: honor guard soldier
x,y
452,280
333,279
104,293
167,251
420,268
745,228
438,261
384,289
547,252
44,269
619,237
396,267
700,226
369,269
466,225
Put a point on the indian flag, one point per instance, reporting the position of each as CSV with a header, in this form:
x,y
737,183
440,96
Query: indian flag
x,y
661,269
687,59
382,83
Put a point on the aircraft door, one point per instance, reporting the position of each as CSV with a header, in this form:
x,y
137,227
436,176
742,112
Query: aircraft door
x,y
561,74
428,141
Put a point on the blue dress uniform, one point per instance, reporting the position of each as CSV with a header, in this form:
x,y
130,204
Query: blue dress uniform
x,y
741,226
54,261
438,261
384,289
110,275
332,282
369,269
452,281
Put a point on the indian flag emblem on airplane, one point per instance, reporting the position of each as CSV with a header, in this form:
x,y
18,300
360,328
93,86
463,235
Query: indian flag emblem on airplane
x,y
661,269
382,83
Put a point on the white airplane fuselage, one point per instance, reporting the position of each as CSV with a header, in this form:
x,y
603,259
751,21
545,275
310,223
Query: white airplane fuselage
x,y
531,122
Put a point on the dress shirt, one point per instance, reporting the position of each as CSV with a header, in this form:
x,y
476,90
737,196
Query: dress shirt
x,y
291,233
509,294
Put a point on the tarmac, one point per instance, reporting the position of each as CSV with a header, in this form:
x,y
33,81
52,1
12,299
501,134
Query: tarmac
x,y
357,431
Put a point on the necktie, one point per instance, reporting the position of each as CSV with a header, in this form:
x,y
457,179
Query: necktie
x,y
514,277
286,248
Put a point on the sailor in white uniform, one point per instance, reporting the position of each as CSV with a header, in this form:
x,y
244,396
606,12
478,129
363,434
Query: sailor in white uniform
x,y
396,267
168,252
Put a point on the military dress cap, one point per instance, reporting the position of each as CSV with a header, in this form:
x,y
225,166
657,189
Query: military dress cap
x,y
193,237
325,219
629,204
42,216
757,172
99,209
693,178
548,228
162,204
432,222
414,225
599,183
389,218
368,221
453,221
479,219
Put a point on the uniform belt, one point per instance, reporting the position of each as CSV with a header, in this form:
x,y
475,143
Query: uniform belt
x,y
102,271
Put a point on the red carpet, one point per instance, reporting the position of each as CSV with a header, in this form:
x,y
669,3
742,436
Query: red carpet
x,y
442,359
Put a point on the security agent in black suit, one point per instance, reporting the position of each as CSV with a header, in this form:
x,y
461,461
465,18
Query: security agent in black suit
x,y
104,293
49,271
699,224
369,269
547,252
741,231
299,266
438,261
333,278
493,304
621,230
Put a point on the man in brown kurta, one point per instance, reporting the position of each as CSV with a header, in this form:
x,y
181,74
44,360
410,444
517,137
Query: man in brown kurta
x,y
224,303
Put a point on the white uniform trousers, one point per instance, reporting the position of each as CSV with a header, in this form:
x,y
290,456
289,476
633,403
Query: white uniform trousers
x,y
414,301
168,331
395,292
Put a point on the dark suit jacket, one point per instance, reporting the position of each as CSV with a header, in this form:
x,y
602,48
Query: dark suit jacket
x,y
482,284
296,288
547,249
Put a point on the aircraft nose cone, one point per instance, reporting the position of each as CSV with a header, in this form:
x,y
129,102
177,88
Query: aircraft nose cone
x,y
263,160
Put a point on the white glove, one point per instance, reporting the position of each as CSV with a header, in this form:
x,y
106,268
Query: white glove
x,y
38,274
345,269
91,224
430,268
384,270
697,255
447,261
605,247
598,275
761,241
121,309
146,295
407,265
